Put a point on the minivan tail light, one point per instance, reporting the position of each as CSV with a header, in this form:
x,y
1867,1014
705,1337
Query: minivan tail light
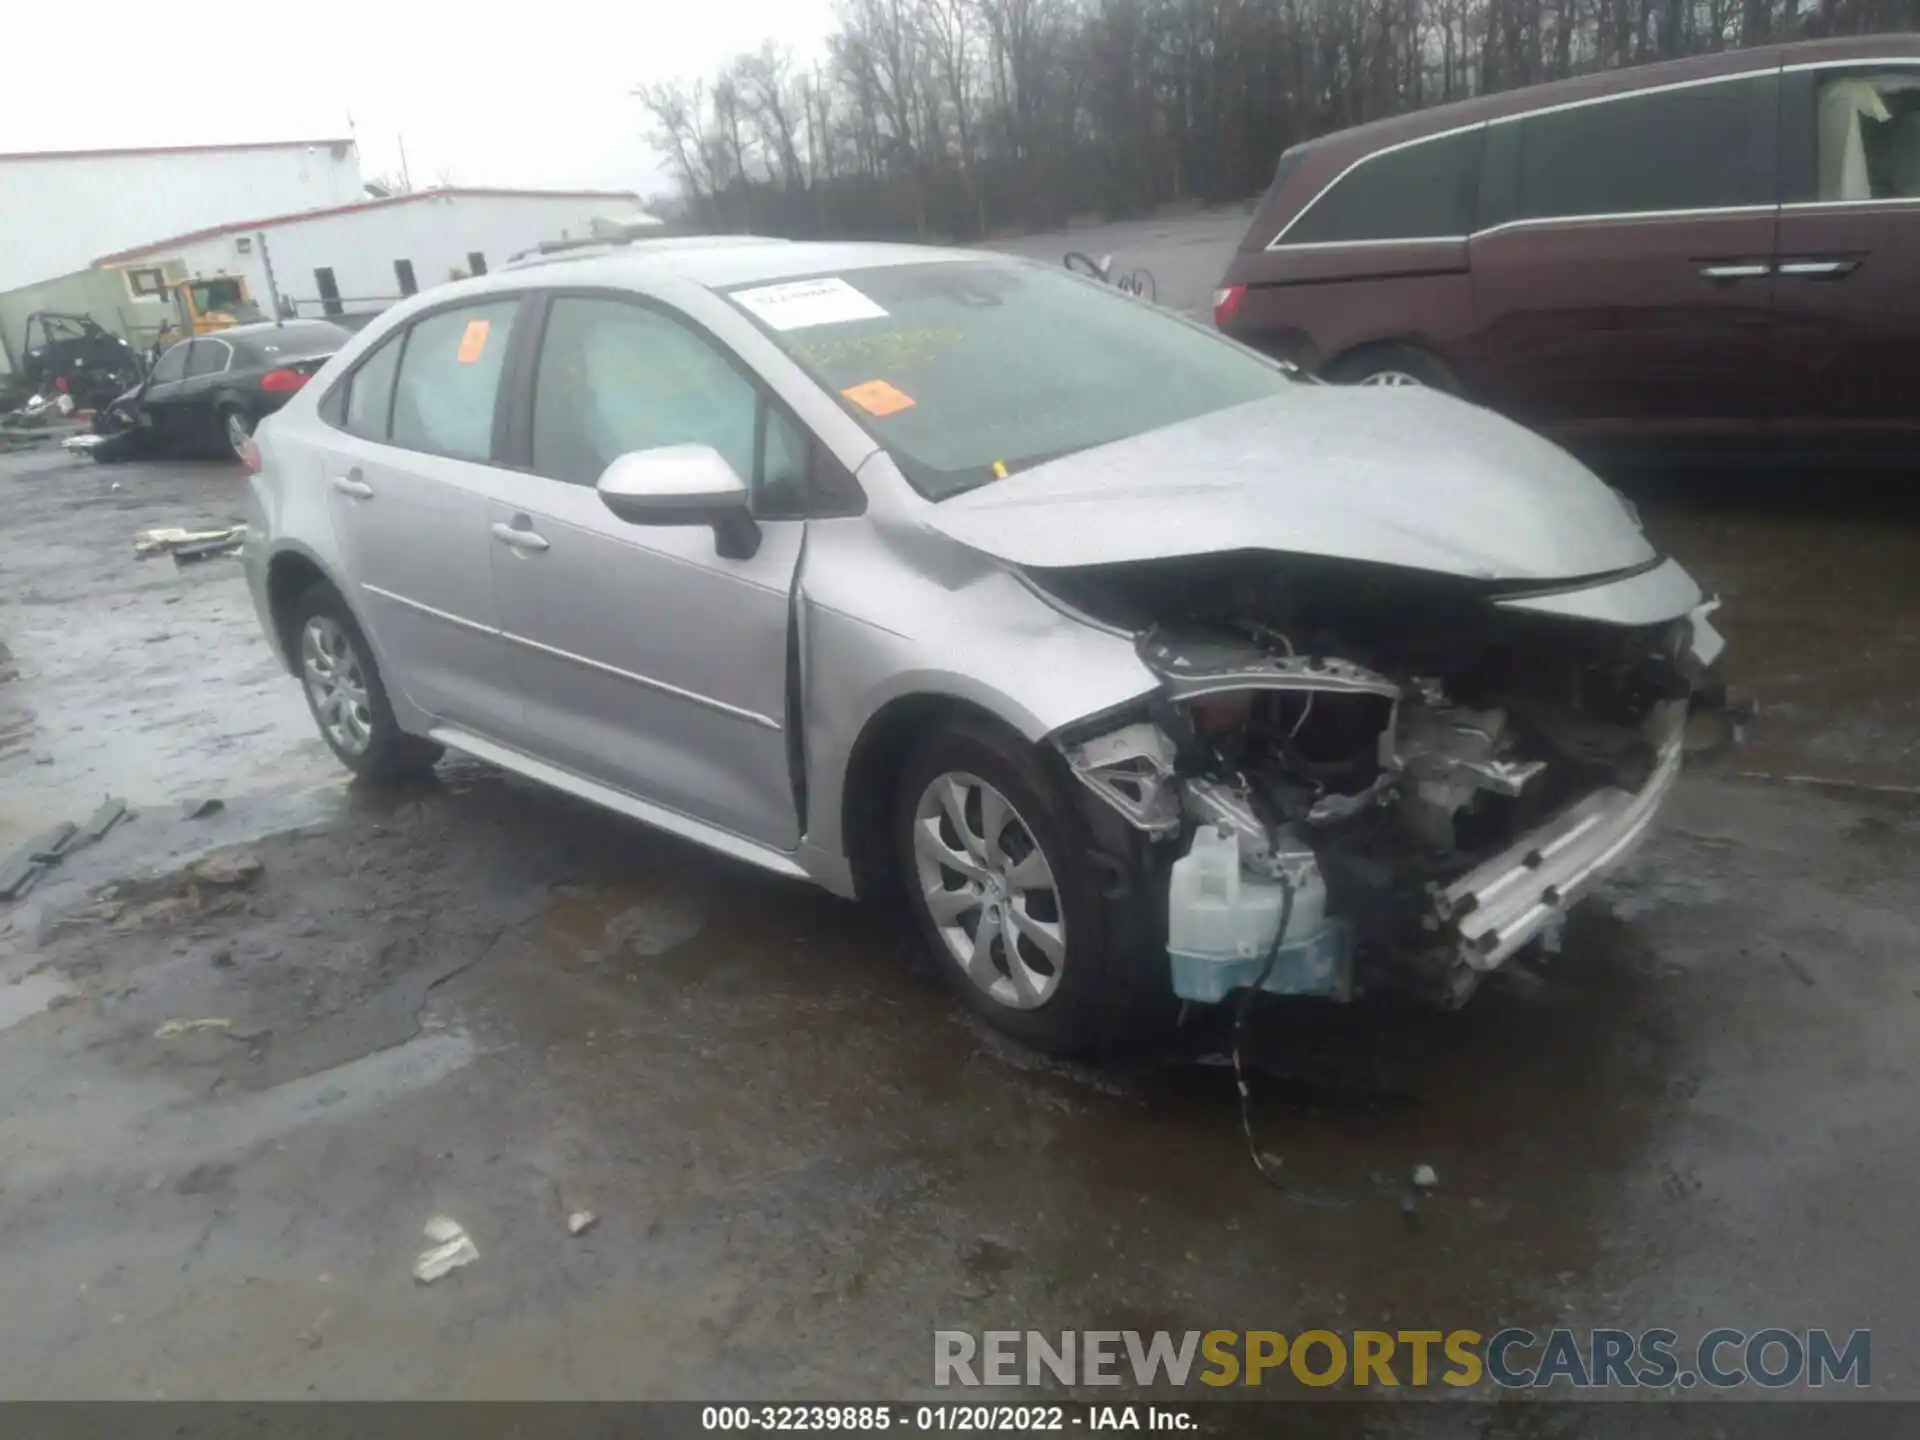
x,y
282,382
1226,303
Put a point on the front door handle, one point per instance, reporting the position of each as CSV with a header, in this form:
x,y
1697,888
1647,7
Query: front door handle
x,y
518,538
351,484
1743,271
1818,269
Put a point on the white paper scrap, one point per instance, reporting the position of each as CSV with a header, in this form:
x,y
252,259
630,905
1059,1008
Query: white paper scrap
x,y
797,304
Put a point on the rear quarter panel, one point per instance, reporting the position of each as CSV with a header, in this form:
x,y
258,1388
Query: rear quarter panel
x,y
1314,304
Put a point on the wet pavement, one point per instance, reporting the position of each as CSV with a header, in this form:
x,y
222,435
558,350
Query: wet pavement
x,y
230,1100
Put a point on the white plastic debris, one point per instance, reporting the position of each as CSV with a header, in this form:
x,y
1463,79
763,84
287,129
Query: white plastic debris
x,y
186,1027
451,1249
581,1221
1424,1177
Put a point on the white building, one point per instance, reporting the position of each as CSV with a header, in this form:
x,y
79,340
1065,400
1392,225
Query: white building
x,y
360,258
59,209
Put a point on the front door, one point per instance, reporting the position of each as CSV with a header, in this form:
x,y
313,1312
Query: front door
x,y
648,661
409,474
1623,272
1847,276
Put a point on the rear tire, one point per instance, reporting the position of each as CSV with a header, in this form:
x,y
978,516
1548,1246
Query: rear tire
x,y
1395,366
236,429
985,840
345,693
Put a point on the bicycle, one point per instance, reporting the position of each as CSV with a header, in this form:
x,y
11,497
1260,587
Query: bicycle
x,y
1137,282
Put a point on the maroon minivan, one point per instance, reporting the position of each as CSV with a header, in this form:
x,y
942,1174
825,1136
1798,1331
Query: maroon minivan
x,y
1713,250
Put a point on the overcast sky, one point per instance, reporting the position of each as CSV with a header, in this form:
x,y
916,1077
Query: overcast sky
x,y
540,99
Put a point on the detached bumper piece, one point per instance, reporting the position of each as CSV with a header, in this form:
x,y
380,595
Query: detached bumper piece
x,y
1500,906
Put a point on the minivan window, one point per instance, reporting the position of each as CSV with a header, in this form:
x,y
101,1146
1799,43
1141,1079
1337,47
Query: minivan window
x,y
370,391
1867,135
1696,147
449,378
615,377
1424,190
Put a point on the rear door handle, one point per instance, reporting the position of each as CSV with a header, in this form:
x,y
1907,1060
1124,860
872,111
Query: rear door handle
x,y
518,538
1818,269
351,484
1736,271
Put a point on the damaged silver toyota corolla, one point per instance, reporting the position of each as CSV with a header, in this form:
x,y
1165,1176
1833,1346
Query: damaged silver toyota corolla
x,y
1140,669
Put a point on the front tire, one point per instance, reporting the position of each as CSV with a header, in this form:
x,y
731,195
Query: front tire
x,y
996,866
345,693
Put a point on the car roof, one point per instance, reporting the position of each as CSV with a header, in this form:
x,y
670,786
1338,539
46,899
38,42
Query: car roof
x,y
720,262
261,329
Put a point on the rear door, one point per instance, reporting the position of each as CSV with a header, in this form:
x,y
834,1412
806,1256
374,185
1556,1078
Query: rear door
x,y
409,466
1623,269
1847,278
648,661
162,392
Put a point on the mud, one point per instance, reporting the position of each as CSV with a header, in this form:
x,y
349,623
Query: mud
x,y
480,999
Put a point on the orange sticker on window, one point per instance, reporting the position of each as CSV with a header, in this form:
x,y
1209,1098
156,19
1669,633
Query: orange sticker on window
x,y
473,343
877,397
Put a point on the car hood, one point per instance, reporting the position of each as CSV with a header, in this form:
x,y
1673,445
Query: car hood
x,y
1404,477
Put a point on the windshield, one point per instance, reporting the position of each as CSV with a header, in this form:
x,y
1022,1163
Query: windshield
x,y
215,294
969,371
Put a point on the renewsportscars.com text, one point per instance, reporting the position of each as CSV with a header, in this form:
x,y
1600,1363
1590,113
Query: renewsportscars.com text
x,y
1512,1358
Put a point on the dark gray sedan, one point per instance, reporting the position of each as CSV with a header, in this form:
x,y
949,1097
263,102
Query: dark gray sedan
x,y
209,392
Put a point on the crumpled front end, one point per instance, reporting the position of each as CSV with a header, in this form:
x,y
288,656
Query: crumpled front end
x,y
1376,779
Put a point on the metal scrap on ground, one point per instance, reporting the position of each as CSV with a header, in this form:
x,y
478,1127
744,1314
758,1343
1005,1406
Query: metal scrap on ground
x,y
451,1249
22,870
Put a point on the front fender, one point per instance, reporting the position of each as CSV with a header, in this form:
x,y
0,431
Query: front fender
x,y
875,633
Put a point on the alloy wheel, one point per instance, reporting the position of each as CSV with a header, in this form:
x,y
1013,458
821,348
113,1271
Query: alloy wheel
x,y
238,432
336,681
990,890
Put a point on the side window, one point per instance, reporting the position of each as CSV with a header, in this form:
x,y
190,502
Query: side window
x,y
615,377
370,391
1699,147
172,364
449,379
1867,135
208,357
1423,191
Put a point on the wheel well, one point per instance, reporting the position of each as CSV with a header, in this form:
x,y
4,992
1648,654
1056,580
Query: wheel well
x,y
289,576
1353,358
873,769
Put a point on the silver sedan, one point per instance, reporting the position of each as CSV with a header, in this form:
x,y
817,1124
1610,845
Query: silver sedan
x,y
1144,672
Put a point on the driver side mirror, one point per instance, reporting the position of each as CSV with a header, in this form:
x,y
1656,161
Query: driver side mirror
x,y
682,485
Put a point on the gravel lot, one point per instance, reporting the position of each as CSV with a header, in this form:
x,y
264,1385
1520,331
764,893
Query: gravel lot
x,y
481,999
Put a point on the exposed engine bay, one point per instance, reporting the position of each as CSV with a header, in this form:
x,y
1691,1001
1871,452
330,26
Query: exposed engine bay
x,y
1419,780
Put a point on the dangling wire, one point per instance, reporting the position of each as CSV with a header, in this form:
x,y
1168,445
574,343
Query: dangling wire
x,y
1245,1005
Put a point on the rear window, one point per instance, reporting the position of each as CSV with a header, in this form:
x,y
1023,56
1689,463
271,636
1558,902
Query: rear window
x,y
1423,190
291,342
968,371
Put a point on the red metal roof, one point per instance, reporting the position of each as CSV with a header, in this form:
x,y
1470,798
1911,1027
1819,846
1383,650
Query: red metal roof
x,y
171,149
454,192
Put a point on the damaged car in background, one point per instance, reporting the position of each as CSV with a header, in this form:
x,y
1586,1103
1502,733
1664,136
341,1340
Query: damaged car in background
x,y
1144,672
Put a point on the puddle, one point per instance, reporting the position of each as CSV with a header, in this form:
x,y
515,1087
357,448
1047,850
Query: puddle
x,y
26,998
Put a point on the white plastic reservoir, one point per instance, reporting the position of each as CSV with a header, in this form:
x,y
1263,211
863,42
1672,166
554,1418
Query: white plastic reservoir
x,y
1221,921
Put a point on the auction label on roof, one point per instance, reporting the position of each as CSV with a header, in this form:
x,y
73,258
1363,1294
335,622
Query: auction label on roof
x,y
798,304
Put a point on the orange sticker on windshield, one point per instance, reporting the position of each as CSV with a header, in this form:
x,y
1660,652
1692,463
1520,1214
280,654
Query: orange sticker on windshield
x,y
877,397
473,344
